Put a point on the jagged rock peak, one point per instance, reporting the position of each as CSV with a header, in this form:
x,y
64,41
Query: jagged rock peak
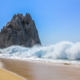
x,y
21,30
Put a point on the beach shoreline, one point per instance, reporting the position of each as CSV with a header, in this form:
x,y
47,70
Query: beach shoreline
x,y
8,75
32,70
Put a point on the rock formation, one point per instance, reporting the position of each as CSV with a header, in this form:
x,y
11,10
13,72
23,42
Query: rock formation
x,y
21,30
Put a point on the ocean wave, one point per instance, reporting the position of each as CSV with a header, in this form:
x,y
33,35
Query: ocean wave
x,y
62,50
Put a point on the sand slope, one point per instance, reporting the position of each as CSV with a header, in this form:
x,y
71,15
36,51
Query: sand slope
x,y
5,75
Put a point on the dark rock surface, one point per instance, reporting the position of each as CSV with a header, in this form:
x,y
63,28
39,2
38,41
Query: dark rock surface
x,y
21,30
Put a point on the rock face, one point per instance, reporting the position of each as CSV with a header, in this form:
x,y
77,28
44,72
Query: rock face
x,y
21,30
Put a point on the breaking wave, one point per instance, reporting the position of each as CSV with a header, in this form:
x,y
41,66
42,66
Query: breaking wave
x,y
62,50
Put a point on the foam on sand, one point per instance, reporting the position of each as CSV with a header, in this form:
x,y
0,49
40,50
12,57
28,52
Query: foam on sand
x,y
1,65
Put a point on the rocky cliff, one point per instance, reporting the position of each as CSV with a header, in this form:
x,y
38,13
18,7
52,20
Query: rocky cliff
x,y
21,30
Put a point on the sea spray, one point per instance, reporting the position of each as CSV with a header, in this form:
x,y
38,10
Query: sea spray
x,y
62,50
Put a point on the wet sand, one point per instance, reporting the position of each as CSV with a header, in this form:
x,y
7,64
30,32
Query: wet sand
x,y
41,71
5,75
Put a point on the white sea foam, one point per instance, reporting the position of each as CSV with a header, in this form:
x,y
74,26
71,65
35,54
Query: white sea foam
x,y
62,50
1,64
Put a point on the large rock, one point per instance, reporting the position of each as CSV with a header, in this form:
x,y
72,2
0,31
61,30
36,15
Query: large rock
x,y
21,30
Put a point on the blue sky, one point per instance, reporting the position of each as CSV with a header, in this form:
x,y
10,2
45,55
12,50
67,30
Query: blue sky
x,y
56,20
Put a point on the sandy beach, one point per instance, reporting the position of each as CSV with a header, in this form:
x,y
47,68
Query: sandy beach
x,y
41,71
6,75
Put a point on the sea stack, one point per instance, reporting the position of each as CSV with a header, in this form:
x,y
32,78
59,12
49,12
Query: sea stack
x,y
21,30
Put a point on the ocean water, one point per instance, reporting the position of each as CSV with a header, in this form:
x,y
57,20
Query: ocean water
x,y
63,52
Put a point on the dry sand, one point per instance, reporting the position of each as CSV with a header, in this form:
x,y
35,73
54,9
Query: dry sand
x,y
41,71
5,75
